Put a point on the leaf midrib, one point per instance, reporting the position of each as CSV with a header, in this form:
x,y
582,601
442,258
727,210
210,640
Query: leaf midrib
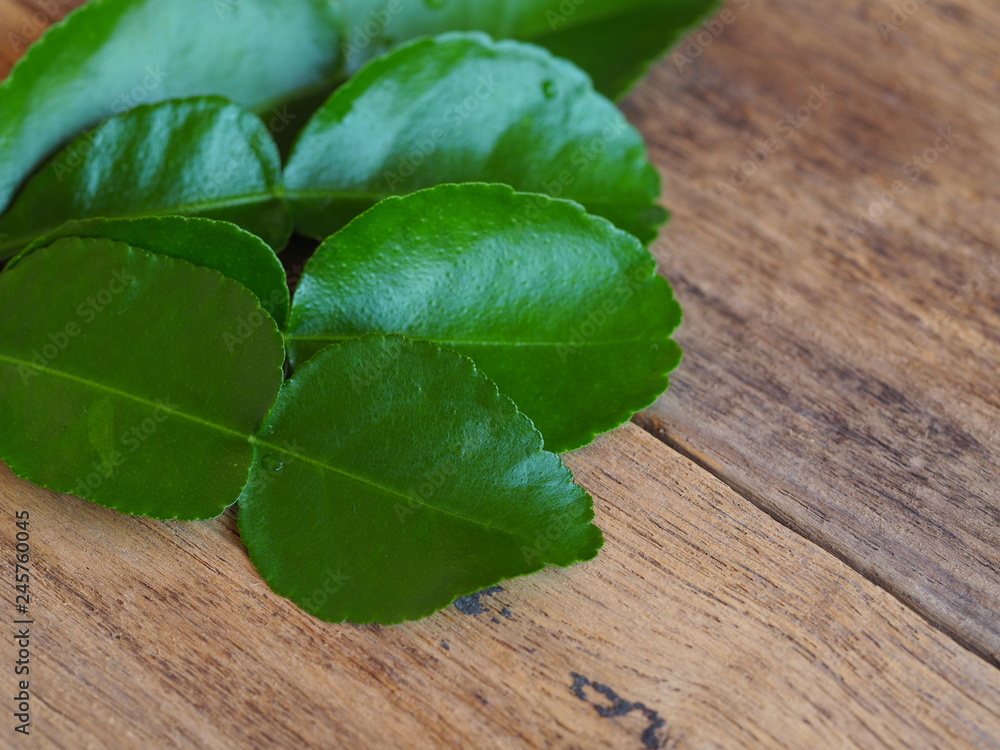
x,y
20,241
388,490
122,394
251,439
278,193
460,342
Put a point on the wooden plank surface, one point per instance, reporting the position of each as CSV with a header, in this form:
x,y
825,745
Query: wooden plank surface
x,y
24,21
704,624
841,283
846,384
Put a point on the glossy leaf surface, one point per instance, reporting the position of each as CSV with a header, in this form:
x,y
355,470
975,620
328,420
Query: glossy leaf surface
x,y
563,311
112,55
462,108
392,477
204,157
132,379
613,40
241,256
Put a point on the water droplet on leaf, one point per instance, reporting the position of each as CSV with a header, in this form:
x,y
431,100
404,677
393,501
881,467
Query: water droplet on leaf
x,y
272,464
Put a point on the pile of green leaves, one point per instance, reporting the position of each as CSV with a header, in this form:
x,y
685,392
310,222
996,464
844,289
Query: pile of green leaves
x,y
481,300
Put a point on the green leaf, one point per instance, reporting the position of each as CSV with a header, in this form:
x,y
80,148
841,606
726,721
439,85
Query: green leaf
x,y
619,44
241,256
462,108
613,40
204,157
392,477
563,311
132,379
112,55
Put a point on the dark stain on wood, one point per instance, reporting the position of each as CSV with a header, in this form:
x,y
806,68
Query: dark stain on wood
x,y
472,604
654,736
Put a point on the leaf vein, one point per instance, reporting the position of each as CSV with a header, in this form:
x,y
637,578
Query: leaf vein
x,y
123,394
460,342
388,490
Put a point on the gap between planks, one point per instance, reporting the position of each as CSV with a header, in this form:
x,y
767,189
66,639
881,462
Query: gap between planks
x,y
701,613
649,425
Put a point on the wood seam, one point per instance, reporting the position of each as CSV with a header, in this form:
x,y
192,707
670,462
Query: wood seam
x,y
755,499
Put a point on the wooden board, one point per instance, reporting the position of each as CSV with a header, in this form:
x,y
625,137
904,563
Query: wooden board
x,y
24,21
846,385
704,624
842,369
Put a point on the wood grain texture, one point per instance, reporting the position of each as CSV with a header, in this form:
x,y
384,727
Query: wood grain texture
x,y
704,624
841,282
847,385
23,21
